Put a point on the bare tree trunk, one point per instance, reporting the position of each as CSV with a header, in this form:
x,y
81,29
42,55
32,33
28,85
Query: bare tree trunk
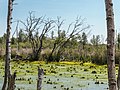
x,y
11,83
40,77
110,45
8,49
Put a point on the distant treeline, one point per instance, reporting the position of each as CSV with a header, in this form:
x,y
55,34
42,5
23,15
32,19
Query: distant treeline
x,y
47,40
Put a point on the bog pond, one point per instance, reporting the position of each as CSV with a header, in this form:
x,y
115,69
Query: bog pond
x,y
58,76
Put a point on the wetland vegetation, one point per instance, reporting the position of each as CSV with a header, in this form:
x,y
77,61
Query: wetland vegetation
x,y
59,75
70,61
48,54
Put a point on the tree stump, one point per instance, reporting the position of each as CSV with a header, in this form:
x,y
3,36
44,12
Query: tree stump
x,y
40,77
11,81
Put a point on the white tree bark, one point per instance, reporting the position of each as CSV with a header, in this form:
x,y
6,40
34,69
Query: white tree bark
x,y
110,45
8,48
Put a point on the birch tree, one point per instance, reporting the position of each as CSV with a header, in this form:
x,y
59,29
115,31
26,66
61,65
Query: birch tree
x,y
110,45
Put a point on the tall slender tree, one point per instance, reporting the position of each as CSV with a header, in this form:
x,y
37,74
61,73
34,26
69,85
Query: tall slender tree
x,y
110,45
8,48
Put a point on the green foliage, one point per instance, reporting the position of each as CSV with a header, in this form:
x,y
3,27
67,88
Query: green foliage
x,y
95,40
0,39
21,36
99,59
72,51
84,39
3,39
118,41
13,40
64,46
117,57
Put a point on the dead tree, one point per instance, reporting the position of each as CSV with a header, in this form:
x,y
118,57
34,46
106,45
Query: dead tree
x,y
11,83
9,80
8,49
110,45
33,26
40,78
61,41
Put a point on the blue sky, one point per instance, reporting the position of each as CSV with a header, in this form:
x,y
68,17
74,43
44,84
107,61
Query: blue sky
x,y
92,10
